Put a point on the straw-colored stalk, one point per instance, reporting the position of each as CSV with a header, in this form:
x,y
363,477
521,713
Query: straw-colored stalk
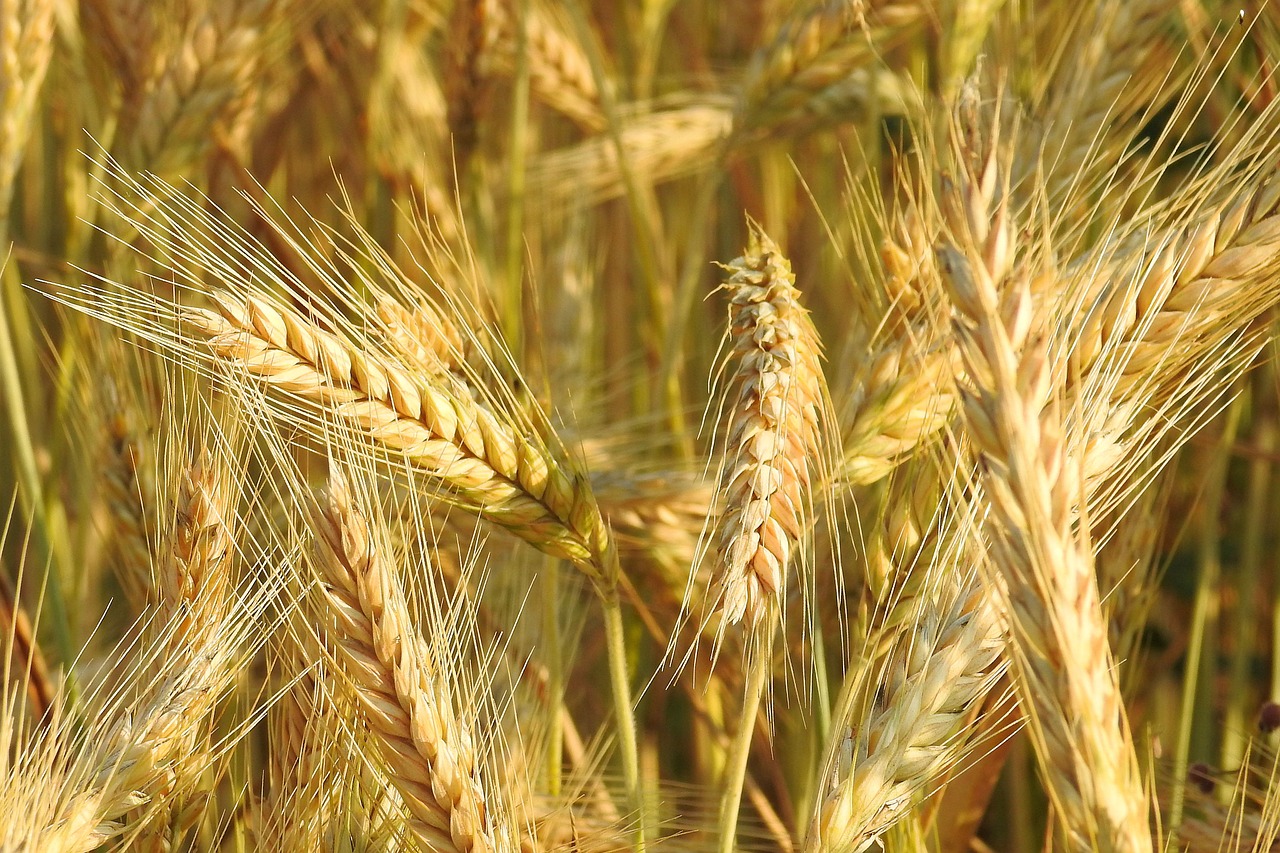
x,y
428,747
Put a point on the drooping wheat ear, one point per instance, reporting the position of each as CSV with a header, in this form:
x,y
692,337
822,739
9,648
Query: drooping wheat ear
x,y
489,467
26,44
656,146
298,801
559,71
429,749
658,521
656,516
1061,657
1105,81
774,410
932,655
903,396
818,58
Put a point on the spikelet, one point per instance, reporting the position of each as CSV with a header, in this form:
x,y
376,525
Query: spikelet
x,y
774,432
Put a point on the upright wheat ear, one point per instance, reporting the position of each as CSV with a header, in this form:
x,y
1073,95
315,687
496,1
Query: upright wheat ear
x,y
773,412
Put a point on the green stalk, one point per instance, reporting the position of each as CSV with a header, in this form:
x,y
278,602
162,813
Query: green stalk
x,y
1241,697
740,749
512,309
555,676
1206,603
32,494
615,639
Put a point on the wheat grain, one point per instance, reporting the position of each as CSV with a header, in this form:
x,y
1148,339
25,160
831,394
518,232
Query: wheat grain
x,y
423,335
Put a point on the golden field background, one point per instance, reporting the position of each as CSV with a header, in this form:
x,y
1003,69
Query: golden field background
x,y
394,392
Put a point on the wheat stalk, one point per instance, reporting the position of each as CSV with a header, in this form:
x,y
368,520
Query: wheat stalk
x,y
427,745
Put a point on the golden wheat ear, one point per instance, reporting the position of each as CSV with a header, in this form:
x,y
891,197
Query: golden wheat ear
x,y
773,414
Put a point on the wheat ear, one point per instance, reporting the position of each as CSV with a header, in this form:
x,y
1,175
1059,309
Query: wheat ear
x,y
805,72
932,655
149,755
192,594
1107,79
26,44
559,71
127,488
774,412
428,747
491,469
1062,659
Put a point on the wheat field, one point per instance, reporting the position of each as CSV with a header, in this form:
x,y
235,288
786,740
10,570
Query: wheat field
x,y
530,426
